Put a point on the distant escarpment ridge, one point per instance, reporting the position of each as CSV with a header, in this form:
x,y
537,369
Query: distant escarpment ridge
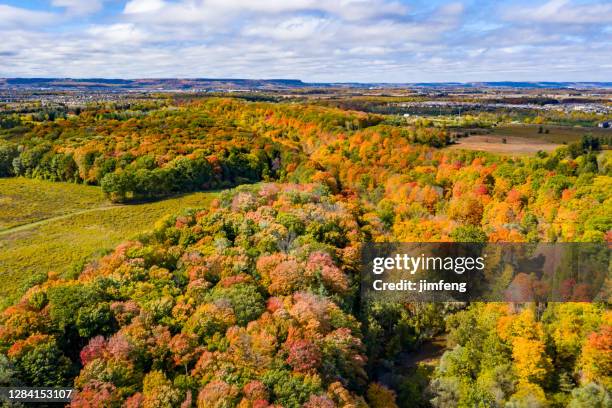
x,y
155,84
233,84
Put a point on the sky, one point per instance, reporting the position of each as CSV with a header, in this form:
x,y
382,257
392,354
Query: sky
x,y
312,40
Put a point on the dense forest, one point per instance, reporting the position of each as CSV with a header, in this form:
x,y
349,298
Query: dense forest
x,y
139,154
254,302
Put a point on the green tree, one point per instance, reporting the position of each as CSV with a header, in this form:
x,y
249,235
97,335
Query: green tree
x,y
590,395
8,152
469,233
40,363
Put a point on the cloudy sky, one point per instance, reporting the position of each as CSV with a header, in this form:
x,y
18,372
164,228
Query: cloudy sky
x,y
313,40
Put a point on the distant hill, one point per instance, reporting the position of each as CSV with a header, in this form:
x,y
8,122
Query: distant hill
x,y
232,84
162,84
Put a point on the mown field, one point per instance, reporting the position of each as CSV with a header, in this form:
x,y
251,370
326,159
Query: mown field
x,y
556,134
23,201
506,145
29,252
524,140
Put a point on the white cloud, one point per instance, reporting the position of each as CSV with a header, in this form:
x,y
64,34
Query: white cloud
x,y
315,40
296,28
562,12
19,17
143,6
79,7
346,9
354,10
204,10
117,33
366,51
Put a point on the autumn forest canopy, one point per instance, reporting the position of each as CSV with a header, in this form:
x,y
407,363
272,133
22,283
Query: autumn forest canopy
x,y
253,301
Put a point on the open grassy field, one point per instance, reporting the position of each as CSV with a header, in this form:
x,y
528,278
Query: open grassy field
x,y
519,146
523,140
556,134
23,201
60,244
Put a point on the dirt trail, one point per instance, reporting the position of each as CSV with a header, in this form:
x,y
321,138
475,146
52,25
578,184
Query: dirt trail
x,y
429,353
34,224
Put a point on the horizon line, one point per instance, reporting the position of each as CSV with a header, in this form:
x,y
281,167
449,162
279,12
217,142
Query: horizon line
x,y
532,81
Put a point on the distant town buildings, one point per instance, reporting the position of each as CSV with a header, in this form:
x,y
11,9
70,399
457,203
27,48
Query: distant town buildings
x,y
588,107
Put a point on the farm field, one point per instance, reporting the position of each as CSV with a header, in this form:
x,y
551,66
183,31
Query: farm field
x,y
556,134
521,146
525,140
28,253
23,201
